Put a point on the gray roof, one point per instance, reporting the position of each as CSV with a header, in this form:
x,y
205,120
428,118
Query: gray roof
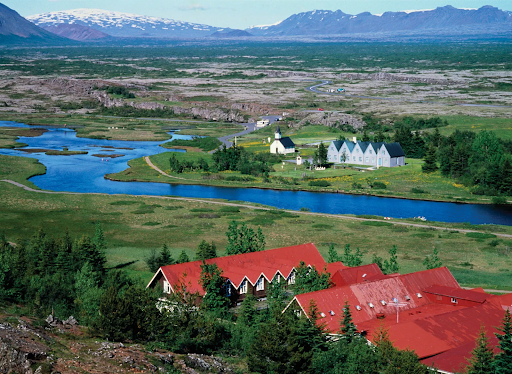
x,y
394,149
338,144
363,145
350,145
287,142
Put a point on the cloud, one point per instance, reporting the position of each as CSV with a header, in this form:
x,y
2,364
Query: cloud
x,y
193,7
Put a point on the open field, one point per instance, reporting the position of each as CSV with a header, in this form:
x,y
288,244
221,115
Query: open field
x,y
135,225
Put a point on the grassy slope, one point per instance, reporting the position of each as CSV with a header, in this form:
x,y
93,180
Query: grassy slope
x,y
135,225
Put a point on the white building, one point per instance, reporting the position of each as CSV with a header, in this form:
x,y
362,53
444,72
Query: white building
x,y
281,145
366,153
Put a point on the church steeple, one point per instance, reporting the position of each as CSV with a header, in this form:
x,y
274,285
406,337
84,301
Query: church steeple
x,y
278,133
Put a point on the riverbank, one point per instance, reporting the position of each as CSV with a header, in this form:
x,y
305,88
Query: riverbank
x,y
399,182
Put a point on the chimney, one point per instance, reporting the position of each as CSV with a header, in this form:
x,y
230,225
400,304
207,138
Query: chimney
x,y
354,139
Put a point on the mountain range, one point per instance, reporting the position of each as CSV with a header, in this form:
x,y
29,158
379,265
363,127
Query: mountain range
x,y
124,25
100,25
325,22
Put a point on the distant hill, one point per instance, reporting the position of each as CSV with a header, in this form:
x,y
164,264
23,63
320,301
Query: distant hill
x,y
77,32
125,25
326,22
15,29
231,34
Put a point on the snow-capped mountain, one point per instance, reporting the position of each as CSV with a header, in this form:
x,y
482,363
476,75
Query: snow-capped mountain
x,y
124,24
325,22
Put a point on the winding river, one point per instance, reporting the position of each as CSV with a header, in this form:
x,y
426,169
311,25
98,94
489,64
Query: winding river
x,y
85,173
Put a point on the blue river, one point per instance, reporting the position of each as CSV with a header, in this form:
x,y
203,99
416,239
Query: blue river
x,y
85,173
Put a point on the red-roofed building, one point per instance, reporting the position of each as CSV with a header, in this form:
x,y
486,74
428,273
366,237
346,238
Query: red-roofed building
x,y
244,273
426,311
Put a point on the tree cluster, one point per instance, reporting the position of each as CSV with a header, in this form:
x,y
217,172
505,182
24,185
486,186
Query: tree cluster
x,y
243,239
238,159
310,279
179,167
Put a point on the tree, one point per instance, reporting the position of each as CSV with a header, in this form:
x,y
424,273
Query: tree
x,y
379,261
309,279
429,162
155,261
243,239
212,282
481,360
247,324
352,259
379,137
88,294
333,254
365,137
321,154
347,328
99,238
433,261
87,251
392,266
503,360
206,251
506,177
183,257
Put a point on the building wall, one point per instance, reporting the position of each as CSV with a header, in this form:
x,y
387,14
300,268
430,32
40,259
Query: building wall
x,y
276,147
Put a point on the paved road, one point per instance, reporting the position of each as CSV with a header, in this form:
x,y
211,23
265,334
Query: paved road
x,y
249,127
315,89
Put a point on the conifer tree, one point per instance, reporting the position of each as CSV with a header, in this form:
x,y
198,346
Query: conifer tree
x,y
165,257
212,282
333,254
430,164
481,361
243,239
206,251
503,360
392,266
99,239
183,257
347,328
433,261
365,137
506,177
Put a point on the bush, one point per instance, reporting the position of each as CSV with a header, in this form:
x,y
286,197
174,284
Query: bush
x,y
379,186
480,235
304,209
319,183
356,186
499,200
417,190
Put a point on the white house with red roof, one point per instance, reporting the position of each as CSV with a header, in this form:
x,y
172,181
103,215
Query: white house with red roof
x,y
426,311
244,273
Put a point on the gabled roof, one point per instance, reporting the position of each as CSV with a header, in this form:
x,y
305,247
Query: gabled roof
x,y
338,144
334,267
250,266
350,145
363,145
394,149
287,142
458,293
348,276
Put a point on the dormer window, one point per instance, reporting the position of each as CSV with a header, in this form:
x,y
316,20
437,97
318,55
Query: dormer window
x,y
291,278
243,287
260,284
167,286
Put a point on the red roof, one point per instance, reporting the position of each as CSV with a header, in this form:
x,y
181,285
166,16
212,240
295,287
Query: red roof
x,y
250,266
334,267
455,360
348,276
436,332
458,293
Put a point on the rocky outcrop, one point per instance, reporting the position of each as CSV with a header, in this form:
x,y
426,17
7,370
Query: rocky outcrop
x,y
20,348
214,114
285,74
330,119
394,78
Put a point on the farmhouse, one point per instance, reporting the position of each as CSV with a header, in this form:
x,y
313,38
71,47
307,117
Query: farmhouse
x,y
366,153
426,311
248,273
281,145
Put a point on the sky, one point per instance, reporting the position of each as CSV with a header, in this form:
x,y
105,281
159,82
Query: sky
x,y
239,13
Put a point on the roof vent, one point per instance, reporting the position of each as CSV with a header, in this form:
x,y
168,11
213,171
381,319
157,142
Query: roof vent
x,y
383,302
395,300
364,275
370,305
407,297
419,295
331,312
358,307
322,314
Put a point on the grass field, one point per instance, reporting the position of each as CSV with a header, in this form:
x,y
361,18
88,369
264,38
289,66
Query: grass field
x,y
136,225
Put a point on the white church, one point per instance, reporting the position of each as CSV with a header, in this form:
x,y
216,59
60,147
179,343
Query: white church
x,y
281,145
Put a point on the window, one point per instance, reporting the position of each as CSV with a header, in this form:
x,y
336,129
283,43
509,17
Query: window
x,y
454,300
385,161
367,159
260,284
360,159
373,160
354,157
370,151
335,158
228,288
167,286
278,278
243,287
291,278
